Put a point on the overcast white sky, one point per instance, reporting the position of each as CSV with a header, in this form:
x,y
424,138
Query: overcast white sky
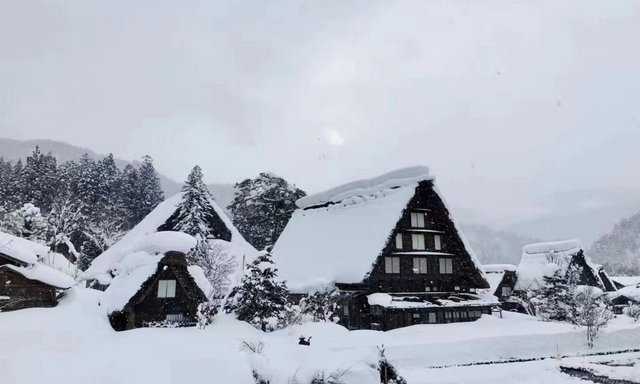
x,y
506,100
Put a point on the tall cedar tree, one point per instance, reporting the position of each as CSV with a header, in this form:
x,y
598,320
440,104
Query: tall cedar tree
x,y
196,216
262,207
260,299
38,180
150,192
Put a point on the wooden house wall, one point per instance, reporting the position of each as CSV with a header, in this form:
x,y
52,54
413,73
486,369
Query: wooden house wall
x,y
146,307
23,292
465,274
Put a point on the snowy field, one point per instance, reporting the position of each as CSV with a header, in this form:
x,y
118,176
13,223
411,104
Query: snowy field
x,y
74,343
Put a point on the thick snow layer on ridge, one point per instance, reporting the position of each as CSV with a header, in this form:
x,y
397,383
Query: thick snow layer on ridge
x,y
165,241
632,292
135,270
21,249
201,280
366,187
130,243
564,246
338,243
627,280
44,274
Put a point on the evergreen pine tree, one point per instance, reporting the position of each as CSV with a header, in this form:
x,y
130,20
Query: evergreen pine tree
x,y
149,191
554,301
6,170
262,207
38,180
260,299
128,196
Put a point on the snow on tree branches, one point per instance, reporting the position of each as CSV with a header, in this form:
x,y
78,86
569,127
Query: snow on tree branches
x,y
262,207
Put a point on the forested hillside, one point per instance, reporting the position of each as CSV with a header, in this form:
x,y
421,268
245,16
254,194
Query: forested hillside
x,y
619,250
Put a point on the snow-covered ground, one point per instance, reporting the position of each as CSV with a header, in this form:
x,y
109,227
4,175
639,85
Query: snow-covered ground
x,y
74,343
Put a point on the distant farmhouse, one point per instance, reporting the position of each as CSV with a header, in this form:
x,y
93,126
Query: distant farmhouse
x,y
567,258
24,281
502,279
157,289
391,247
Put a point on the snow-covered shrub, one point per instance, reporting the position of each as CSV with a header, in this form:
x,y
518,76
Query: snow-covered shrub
x,y
633,311
331,378
591,311
320,305
258,378
554,301
206,312
27,222
261,298
388,373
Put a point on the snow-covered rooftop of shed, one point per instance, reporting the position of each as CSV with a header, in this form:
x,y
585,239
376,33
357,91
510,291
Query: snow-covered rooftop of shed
x,y
386,300
136,240
340,242
21,249
544,259
44,274
136,268
367,187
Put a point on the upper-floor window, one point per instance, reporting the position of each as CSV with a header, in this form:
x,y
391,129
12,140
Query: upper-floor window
x,y
417,242
417,219
399,244
419,265
446,266
437,242
392,265
506,291
166,288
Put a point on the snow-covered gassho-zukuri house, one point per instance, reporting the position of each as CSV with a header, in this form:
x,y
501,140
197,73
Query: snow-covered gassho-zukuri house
x,y
24,281
155,286
566,258
390,246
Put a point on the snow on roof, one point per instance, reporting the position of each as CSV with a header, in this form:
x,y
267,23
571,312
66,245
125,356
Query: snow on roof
x,y
136,269
387,301
133,240
165,241
543,259
367,187
632,292
21,249
627,280
339,243
201,280
44,274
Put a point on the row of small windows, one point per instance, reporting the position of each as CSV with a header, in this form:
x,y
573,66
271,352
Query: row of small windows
x,y
418,242
392,265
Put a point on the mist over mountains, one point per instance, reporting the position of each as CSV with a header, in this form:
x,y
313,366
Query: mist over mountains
x,y
583,214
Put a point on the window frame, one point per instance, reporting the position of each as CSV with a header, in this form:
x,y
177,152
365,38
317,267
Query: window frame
x,y
447,263
420,266
415,236
390,264
399,242
418,220
166,289
437,242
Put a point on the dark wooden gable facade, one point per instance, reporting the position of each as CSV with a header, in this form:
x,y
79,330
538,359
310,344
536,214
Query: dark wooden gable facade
x,y
19,292
425,262
158,302
427,249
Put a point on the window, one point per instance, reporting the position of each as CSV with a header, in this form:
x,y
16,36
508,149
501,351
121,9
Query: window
x,y
419,265
437,242
417,220
446,266
417,242
427,289
456,288
166,288
399,241
392,265
506,291
432,317
175,317
416,315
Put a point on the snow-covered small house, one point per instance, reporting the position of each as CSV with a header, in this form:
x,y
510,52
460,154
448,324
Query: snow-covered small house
x,y
155,286
391,247
502,280
24,281
103,268
566,258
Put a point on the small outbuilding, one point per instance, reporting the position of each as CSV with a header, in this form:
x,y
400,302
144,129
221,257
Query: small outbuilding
x,y
155,290
24,281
